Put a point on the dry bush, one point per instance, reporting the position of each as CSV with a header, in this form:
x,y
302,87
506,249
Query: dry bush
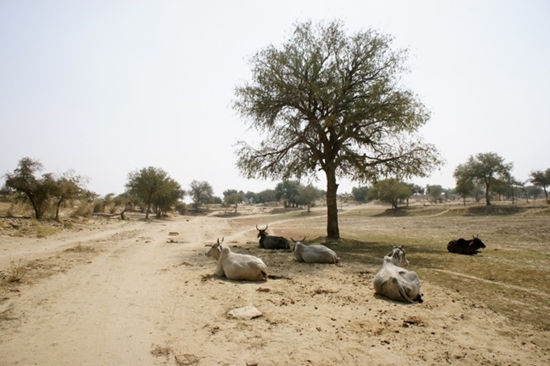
x,y
16,271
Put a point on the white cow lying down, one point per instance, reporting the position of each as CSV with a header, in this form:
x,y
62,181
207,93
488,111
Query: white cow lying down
x,y
395,282
235,266
314,253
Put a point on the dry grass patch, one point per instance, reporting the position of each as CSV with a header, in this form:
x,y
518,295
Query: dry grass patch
x,y
508,276
81,249
14,273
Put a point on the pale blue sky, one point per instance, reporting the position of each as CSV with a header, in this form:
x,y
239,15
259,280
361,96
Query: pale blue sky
x,y
108,87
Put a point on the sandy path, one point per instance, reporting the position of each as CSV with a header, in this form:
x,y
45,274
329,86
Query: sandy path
x,y
139,299
102,312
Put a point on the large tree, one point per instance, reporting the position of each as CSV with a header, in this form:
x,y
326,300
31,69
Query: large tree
x,y
483,169
541,179
326,101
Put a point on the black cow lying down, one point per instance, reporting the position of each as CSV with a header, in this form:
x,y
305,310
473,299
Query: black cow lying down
x,y
270,241
463,246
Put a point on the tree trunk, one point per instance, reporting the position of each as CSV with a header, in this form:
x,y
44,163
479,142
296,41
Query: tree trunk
x,y
37,210
147,211
487,200
57,209
332,206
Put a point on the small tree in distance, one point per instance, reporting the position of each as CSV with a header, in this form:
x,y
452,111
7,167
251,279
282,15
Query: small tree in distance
x,y
434,191
66,188
483,169
360,193
233,197
541,179
307,195
201,193
153,186
391,191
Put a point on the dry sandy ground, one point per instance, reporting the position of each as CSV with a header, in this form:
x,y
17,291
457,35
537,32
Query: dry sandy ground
x,y
129,293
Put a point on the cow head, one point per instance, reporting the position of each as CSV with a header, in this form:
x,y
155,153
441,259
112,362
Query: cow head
x,y
262,232
398,256
215,250
477,243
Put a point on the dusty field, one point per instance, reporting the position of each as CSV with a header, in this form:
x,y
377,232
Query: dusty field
x,y
129,293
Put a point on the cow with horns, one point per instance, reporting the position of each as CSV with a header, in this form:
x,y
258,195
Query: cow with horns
x,y
270,241
463,246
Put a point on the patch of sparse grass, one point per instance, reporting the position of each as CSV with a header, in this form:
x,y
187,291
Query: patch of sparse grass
x,y
159,351
506,277
16,271
81,249
43,231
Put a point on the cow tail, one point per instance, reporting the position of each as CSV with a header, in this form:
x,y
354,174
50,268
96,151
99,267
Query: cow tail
x,y
403,293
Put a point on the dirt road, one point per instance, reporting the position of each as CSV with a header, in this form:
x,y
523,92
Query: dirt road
x,y
130,293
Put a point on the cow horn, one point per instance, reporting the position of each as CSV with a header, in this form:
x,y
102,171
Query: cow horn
x,y
261,229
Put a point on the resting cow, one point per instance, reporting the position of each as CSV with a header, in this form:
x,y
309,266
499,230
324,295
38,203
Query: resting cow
x,y
216,250
314,253
271,242
395,282
463,246
235,266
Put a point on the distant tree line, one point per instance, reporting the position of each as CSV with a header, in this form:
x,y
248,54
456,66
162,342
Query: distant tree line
x,y
150,190
485,175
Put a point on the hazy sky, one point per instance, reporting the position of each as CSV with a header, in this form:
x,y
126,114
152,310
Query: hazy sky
x,y
109,87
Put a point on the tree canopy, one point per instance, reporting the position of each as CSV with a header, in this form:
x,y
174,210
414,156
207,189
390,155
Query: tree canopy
x,y
326,101
201,192
541,179
484,169
391,191
154,187
43,191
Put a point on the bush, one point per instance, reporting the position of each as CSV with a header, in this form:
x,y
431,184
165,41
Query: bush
x,y
182,208
16,272
83,210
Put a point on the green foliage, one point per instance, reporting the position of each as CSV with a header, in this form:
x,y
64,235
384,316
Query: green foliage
x,y
287,191
182,208
332,102
42,192
391,191
266,196
307,195
68,187
360,193
155,189
541,179
233,197
483,170
435,192
201,193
